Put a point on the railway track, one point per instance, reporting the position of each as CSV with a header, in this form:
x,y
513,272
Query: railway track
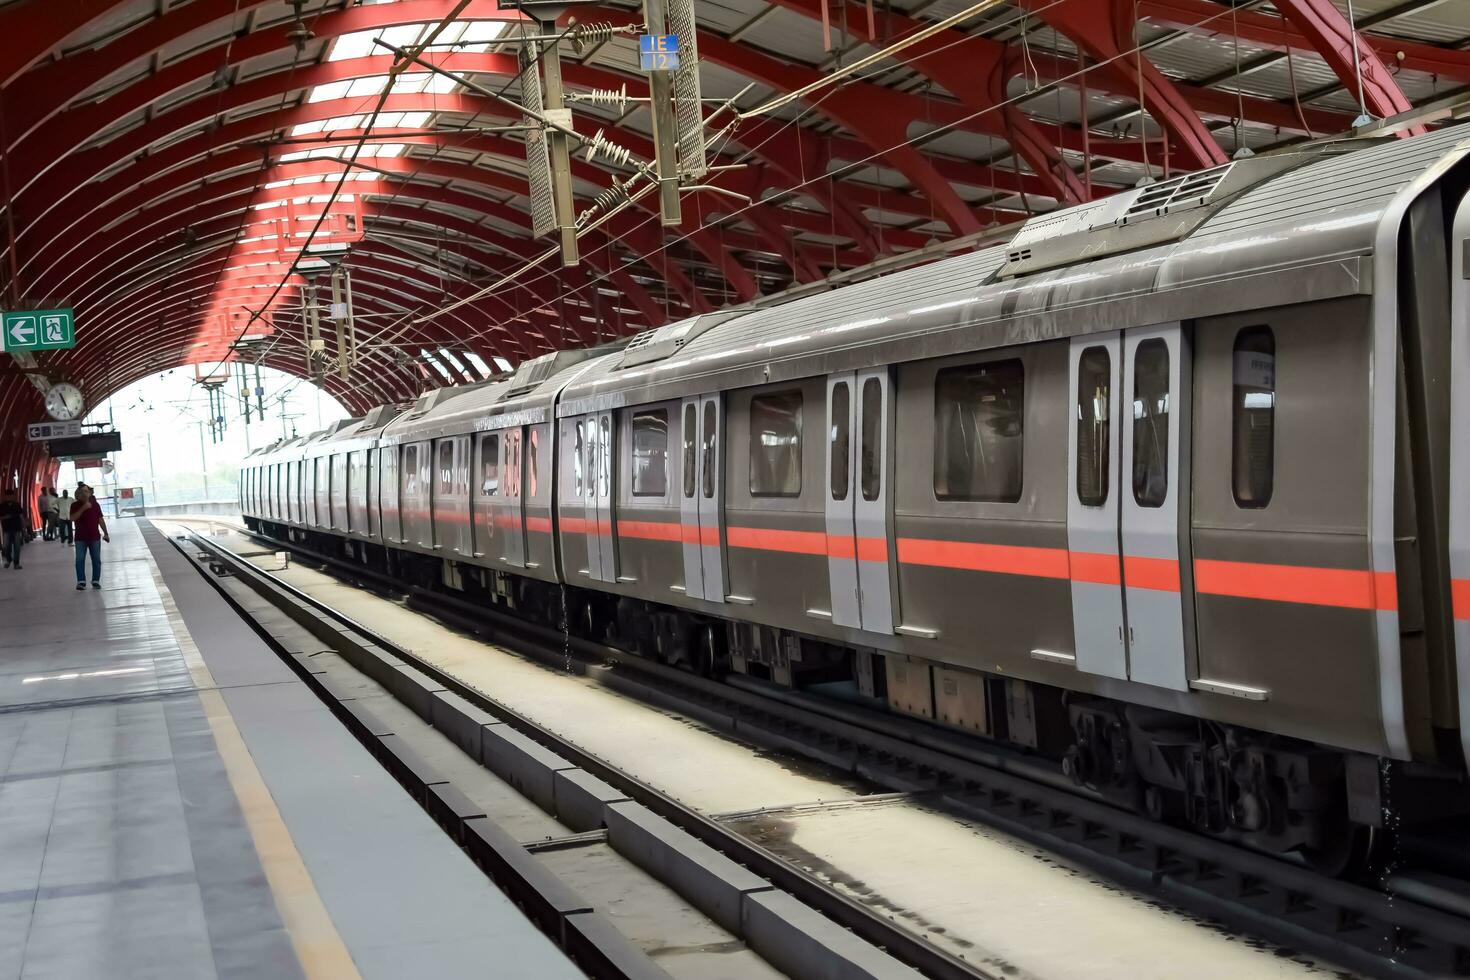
x,y
793,949
1374,931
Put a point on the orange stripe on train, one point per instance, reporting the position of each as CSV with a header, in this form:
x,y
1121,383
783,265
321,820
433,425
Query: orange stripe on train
x,y
1347,588
970,556
1460,597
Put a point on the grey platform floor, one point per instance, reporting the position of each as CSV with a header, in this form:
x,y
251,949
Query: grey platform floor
x,y
175,803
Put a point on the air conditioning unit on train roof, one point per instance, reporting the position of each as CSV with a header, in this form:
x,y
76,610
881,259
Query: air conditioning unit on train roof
x,y
380,416
1164,211
531,373
666,341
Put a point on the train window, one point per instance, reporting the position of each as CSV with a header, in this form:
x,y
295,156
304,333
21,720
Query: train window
x,y
978,414
604,459
489,465
651,453
1253,417
841,441
411,471
707,450
532,461
446,467
872,409
688,430
513,463
1094,425
775,445
1151,423
577,456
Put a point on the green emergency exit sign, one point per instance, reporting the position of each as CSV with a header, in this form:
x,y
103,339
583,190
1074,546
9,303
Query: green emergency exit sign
x,y
31,330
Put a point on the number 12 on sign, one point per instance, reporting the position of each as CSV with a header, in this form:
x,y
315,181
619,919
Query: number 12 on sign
x,y
658,52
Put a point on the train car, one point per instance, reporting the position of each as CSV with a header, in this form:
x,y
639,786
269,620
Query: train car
x,y
1171,488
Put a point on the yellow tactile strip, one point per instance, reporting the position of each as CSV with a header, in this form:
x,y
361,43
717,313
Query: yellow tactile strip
x,y
314,937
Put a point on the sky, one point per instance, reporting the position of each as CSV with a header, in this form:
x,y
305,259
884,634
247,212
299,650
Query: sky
x,y
171,412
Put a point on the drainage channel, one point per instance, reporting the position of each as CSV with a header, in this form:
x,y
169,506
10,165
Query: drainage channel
x,y
1386,933
794,921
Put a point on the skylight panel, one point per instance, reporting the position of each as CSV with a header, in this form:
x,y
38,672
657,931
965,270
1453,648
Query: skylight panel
x,y
328,91
478,363
371,85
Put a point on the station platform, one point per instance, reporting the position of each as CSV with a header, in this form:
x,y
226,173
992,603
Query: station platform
x,y
174,802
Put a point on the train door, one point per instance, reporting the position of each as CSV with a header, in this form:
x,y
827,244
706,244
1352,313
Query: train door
x,y
1092,507
587,429
1155,504
513,526
702,502
597,496
390,523
1127,524
858,510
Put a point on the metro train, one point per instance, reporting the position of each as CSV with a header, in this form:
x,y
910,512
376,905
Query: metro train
x,y
1172,489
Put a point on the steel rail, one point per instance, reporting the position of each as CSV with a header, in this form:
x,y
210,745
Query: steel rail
x,y
1367,930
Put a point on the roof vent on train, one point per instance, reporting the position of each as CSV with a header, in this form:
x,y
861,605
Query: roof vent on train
x,y
380,416
1154,214
667,340
430,400
531,373
341,424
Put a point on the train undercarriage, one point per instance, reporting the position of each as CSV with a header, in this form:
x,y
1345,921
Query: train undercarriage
x,y
1323,806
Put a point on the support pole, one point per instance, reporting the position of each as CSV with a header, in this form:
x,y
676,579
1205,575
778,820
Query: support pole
x,y
665,126
340,318
561,155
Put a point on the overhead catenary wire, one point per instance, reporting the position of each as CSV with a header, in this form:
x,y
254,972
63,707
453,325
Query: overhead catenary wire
x,y
876,154
593,281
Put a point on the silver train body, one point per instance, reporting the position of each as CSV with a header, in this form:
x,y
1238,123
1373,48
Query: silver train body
x,y
1174,487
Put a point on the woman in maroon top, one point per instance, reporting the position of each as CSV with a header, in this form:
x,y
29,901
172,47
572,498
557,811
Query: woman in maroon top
x,y
91,531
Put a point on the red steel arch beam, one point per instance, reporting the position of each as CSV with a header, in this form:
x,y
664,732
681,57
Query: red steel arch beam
x,y
57,84
78,211
975,70
1278,33
150,232
35,28
235,194
377,278
1104,29
173,291
146,92
1336,41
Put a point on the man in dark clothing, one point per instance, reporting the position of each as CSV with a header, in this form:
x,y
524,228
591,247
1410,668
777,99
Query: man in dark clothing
x,y
14,523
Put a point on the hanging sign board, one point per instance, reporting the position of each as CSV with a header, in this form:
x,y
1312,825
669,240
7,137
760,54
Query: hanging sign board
x,y
46,431
32,330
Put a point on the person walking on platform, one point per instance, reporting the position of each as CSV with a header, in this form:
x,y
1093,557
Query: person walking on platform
x,y
63,517
13,526
91,531
47,506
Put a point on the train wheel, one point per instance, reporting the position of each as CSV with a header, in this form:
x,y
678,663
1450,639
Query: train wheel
x,y
1351,852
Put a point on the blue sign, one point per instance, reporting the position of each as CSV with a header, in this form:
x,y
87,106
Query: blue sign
x,y
658,52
